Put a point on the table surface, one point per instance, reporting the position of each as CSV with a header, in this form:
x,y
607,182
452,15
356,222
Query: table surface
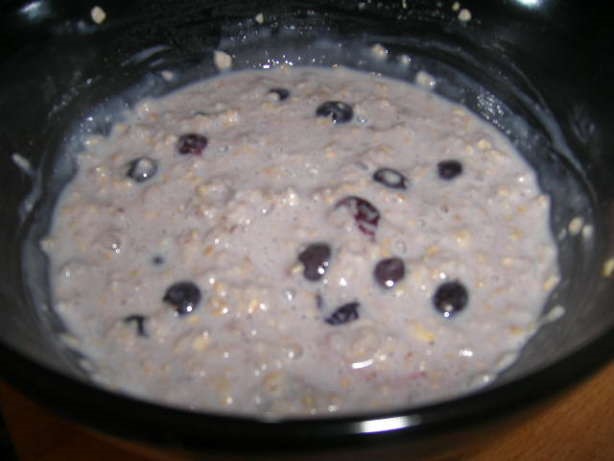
x,y
576,425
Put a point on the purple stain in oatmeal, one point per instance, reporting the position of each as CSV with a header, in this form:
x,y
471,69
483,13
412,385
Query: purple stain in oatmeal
x,y
450,298
449,169
344,314
389,271
319,301
364,213
315,259
183,297
390,178
339,112
191,144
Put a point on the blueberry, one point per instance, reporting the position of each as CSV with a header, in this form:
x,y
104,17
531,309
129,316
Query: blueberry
x,y
139,320
450,298
191,143
315,259
282,93
364,213
344,314
389,271
339,111
390,178
183,296
449,169
141,169
157,260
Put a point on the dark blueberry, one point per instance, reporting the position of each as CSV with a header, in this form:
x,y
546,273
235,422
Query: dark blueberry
x,y
315,259
139,321
282,93
390,178
191,143
344,314
183,296
339,111
363,212
389,271
450,298
141,169
449,169
157,260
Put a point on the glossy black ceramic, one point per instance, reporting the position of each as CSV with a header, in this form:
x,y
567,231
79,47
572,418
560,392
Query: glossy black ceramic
x,y
539,70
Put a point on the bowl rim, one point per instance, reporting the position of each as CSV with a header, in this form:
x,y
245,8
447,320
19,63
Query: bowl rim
x,y
165,426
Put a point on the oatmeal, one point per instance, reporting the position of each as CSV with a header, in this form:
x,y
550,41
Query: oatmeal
x,y
301,241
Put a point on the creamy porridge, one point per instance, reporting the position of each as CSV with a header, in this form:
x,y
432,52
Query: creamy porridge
x,y
301,241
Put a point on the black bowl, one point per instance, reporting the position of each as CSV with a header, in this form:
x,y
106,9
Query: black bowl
x,y
540,71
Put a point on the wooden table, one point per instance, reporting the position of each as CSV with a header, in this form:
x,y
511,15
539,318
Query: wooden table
x,y
577,425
